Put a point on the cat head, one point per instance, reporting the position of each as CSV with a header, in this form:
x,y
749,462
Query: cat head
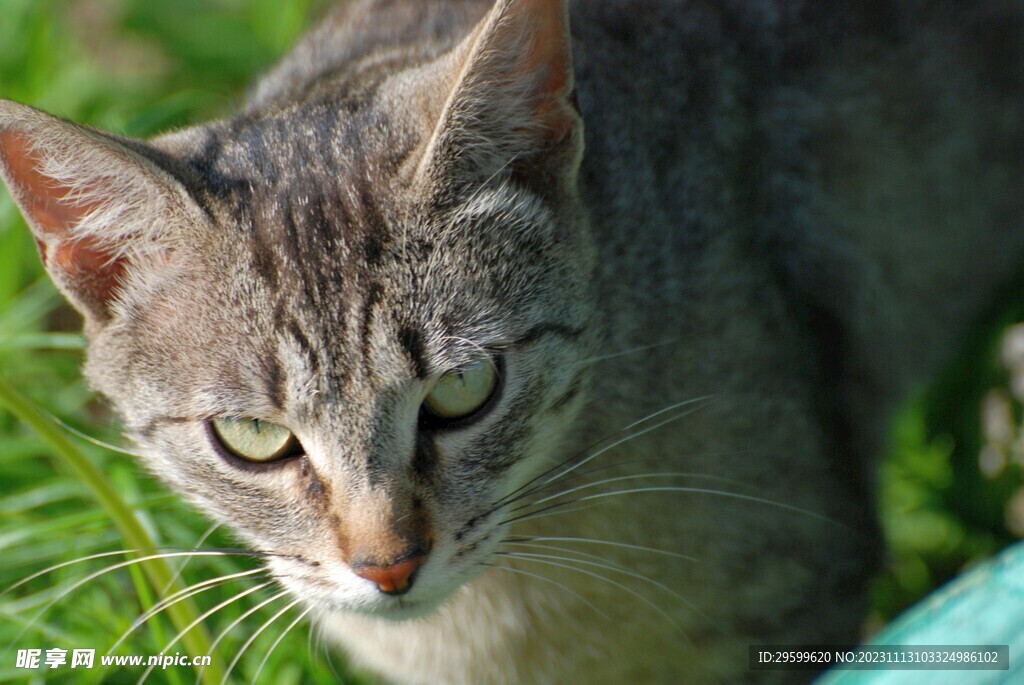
x,y
345,325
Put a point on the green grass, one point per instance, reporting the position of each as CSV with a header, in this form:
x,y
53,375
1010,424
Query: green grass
x,y
940,513
140,66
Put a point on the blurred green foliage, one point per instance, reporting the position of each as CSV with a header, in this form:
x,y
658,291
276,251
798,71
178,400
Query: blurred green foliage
x,y
141,66
940,512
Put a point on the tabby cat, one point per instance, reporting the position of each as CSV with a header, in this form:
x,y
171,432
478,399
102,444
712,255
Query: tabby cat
x,y
529,359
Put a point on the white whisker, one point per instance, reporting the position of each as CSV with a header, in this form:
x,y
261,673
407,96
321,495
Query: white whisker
x,y
632,350
318,645
310,642
180,595
63,564
554,582
202,617
637,434
603,564
249,612
638,476
612,566
252,638
101,555
717,493
613,543
94,441
281,637
564,468
104,571
550,510
540,560
184,563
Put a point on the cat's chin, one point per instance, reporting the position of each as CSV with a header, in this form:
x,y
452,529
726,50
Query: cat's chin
x,y
399,609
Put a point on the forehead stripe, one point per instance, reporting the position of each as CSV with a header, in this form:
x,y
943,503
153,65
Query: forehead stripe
x,y
411,340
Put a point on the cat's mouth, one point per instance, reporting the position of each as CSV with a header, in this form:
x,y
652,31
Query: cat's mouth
x,y
402,609
389,609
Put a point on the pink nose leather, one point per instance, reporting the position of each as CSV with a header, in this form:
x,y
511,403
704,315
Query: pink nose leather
x,y
395,579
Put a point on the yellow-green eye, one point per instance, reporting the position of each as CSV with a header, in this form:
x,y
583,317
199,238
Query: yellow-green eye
x,y
253,439
462,392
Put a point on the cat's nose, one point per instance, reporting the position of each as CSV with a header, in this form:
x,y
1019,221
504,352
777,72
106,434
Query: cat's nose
x,y
391,579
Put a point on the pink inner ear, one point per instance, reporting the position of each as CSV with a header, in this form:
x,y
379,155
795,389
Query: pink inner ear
x,y
549,55
88,268
550,47
43,198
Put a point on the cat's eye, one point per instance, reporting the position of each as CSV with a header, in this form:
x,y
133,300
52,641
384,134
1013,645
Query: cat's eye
x,y
254,439
462,392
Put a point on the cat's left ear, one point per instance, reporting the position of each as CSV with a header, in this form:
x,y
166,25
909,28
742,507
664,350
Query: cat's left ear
x,y
99,209
509,99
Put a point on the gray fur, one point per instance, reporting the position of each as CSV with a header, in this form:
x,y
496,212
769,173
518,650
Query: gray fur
x,y
802,204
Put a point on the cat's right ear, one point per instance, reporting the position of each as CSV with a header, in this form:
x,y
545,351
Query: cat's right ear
x,y
507,99
97,208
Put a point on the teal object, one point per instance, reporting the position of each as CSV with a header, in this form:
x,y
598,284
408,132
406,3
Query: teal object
x,y
984,606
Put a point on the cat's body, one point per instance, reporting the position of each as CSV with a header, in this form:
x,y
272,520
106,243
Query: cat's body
x,y
785,214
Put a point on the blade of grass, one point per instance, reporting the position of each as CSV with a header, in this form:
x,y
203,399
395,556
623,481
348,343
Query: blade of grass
x,y
158,572
43,341
148,601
